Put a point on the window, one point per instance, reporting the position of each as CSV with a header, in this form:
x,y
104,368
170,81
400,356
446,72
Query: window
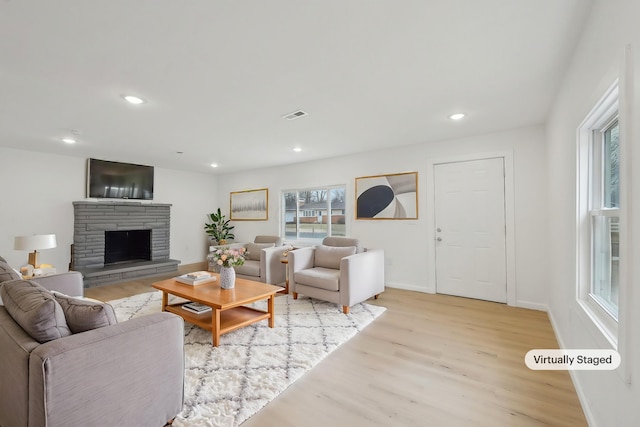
x,y
599,214
313,214
605,218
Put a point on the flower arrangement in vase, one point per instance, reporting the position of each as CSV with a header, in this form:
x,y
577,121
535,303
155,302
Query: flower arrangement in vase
x,y
226,258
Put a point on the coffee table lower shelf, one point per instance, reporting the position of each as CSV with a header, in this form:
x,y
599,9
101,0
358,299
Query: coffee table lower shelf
x,y
230,319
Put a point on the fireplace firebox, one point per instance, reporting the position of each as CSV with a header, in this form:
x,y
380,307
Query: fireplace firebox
x,y
124,246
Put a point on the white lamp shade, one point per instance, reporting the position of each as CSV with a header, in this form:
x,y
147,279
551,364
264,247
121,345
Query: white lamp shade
x,y
34,243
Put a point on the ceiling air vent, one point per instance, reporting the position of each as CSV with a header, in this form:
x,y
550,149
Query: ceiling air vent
x,y
295,115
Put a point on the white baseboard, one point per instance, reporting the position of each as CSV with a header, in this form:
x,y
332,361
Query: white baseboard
x,y
408,287
574,379
532,305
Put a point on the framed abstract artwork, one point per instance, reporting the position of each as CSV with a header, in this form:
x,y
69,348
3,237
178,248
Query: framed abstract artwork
x,y
250,205
393,196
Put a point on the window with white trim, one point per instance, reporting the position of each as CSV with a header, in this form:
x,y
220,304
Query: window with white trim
x,y
599,214
605,217
313,213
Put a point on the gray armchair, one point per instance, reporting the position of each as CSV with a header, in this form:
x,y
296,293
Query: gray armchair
x,y
338,271
262,261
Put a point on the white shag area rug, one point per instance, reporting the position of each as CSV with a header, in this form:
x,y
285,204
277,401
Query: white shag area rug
x,y
225,385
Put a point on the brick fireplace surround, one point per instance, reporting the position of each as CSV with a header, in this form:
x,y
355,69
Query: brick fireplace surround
x,y
92,219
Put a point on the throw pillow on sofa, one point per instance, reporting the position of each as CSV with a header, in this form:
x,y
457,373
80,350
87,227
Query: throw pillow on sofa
x,y
330,256
253,250
35,309
85,315
7,272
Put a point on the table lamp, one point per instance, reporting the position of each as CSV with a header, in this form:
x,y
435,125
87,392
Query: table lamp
x,y
35,243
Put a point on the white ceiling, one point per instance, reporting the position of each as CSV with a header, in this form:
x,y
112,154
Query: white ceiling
x,y
218,75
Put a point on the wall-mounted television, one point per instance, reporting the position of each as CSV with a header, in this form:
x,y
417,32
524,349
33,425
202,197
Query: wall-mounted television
x,y
116,180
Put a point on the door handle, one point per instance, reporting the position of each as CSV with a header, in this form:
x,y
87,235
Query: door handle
x,y
439,239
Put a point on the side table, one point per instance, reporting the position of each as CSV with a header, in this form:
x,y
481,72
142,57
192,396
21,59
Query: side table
x,y
286,274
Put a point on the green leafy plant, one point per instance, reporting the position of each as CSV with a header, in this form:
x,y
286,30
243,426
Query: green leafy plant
x,y
219,228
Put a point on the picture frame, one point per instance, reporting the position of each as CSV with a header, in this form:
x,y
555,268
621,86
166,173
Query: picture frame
x,y
249,205
387,197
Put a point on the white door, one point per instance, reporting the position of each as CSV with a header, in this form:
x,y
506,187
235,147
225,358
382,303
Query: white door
x,y
470,229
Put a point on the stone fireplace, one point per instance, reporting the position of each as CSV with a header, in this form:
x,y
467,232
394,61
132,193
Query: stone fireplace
x,y
117,241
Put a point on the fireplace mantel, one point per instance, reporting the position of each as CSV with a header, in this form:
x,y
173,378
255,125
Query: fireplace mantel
x,y
92,219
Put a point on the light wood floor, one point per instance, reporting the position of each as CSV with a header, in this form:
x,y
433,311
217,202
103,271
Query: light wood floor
x,y
429,360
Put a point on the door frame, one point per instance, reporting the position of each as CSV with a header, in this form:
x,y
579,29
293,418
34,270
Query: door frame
x,y
509,214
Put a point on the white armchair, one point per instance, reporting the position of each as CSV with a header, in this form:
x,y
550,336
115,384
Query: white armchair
x,y
262,260
337,271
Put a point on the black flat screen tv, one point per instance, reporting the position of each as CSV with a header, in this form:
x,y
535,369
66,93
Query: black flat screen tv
x,y
115,180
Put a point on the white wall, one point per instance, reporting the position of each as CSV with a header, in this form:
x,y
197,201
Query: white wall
x,y
38,191
607,399
405,242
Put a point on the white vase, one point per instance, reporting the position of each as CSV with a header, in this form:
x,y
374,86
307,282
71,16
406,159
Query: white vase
x,y
227,277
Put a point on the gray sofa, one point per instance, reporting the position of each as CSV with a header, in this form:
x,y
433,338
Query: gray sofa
x,y
129,373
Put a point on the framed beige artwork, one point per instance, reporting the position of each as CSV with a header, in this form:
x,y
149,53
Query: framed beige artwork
x,y
250,205
393,196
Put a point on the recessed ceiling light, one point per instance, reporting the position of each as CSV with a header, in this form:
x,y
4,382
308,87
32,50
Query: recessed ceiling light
x,y
133,99
214,165
456,116
295,115
68,140
297,149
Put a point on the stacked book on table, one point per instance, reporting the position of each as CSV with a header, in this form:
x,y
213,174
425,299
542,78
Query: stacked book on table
x,y
196,278
196,307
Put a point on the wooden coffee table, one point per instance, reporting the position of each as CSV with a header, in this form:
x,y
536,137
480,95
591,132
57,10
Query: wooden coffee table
x,y
228,311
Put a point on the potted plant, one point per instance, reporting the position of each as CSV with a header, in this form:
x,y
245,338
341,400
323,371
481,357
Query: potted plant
x,y
219,228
